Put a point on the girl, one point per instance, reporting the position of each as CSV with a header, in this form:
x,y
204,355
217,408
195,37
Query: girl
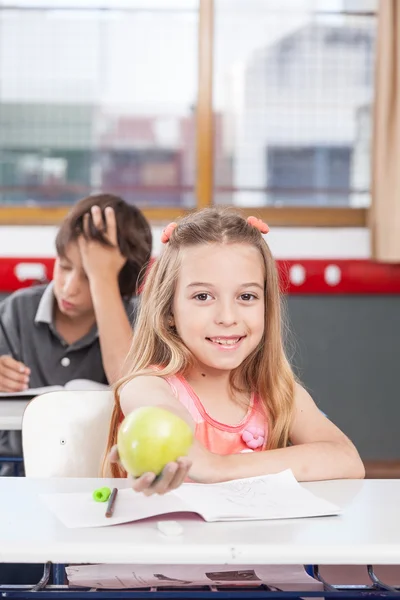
x,y
208,347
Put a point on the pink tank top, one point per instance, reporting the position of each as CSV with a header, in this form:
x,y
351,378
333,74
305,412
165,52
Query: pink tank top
x,y
247,436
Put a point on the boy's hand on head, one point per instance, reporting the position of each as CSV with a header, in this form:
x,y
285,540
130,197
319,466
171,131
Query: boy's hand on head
x,y
99,260
14,375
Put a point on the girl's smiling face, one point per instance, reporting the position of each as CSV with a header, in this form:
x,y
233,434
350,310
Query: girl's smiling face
x,y
219,303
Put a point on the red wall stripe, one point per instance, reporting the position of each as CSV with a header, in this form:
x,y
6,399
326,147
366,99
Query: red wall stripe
x,y
339,277
297,276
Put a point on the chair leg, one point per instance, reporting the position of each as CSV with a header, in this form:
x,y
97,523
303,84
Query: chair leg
x,y
14,461
44,579
58,574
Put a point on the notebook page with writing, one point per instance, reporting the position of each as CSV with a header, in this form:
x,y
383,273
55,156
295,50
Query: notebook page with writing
x,y
277,496
260,498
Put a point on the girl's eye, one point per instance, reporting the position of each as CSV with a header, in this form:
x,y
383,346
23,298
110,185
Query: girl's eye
x,y
248,297
65,267
202,297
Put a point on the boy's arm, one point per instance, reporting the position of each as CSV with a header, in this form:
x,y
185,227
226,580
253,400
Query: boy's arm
x,y
14,375
10,342
320,451
102,265
114,327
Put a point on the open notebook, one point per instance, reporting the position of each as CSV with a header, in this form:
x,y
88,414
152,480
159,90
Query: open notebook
x,y
277,496
79,385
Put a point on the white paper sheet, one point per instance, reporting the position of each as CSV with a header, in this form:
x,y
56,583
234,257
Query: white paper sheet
x,y
259,498
78,385
80,510
283,577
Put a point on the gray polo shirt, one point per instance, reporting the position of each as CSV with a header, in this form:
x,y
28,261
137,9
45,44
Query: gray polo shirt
x,y
27,317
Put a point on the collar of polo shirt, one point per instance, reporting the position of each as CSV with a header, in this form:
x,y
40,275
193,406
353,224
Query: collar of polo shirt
x,y
44,313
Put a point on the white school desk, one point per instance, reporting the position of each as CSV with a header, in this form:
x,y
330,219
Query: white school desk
x,y
11,413
368,531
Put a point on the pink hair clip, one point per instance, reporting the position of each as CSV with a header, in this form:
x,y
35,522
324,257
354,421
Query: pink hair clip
x,y
258,224
167,232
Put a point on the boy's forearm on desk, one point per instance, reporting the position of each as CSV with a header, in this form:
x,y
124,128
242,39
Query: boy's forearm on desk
x,y
309,462
115,330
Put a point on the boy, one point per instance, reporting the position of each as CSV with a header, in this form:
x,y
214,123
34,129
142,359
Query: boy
x,y
79,326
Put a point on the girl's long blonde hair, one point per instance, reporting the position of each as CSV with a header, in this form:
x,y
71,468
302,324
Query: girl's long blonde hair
x,y
156,344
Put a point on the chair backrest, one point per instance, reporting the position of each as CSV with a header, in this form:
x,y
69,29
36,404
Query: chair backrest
x,y
64,433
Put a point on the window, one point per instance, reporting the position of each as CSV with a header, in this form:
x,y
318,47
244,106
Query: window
x,y
292,84
308,176
95,99
174,104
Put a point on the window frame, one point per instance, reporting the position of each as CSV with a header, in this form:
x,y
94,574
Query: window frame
x,y
302,216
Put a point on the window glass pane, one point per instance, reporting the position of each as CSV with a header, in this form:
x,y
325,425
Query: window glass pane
x,y
293,89
96,100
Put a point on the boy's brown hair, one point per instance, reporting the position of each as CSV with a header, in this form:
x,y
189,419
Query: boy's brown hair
x,y
133,231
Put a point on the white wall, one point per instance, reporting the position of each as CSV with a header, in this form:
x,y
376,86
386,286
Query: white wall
x,y
289,243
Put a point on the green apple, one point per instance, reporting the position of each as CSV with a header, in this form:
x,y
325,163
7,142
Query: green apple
x,y
150,437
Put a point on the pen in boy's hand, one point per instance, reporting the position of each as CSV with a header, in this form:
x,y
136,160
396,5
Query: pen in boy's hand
x,y
111,503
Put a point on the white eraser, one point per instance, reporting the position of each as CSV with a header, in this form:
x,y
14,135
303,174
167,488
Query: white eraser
x,y
170,527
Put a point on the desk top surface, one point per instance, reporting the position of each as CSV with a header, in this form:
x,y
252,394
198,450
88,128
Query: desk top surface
x,y
367,532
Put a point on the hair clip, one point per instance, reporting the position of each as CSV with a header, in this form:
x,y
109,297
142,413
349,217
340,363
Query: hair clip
x,y
167,232
258,224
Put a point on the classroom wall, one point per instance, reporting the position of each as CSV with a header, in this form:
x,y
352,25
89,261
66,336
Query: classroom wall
x,y
285,242
346,352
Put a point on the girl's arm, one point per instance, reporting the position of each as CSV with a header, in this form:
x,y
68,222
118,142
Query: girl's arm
x,y
320,451
150,390
154,391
